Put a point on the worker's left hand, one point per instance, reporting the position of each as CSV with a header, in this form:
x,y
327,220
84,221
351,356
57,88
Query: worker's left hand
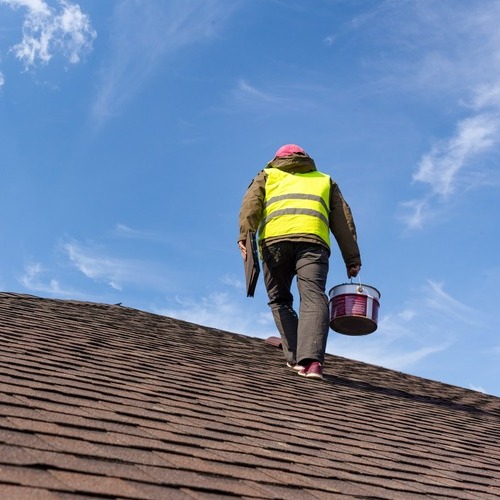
x,y
243,249
353,271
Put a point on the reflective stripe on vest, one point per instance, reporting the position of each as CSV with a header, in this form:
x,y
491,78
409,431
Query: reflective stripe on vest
x,y
296,204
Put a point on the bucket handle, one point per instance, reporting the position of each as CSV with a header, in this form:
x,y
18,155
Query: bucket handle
x,y
360,289
360,286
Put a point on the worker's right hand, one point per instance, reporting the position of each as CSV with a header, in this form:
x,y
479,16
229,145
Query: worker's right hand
x,y
353,271
243,249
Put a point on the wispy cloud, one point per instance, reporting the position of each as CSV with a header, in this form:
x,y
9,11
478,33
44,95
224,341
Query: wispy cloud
x,y
442,166
427,52
486,96
233,281
281,96
392,357
96,271
451,166
329,40
438,300
35,279
397,344
96,264
225,307
143,34
47,31
473,387
250,94
415,213
426,327
220,309
458,161
127,232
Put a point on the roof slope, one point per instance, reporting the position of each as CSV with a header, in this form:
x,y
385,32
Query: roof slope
x,y
105,401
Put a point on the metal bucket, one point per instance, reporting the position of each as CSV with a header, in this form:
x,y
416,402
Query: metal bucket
x,y
354,308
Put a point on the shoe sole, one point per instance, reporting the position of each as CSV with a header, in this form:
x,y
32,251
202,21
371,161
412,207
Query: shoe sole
x,y
314,376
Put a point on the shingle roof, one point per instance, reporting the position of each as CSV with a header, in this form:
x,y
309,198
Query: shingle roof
x,y
105,401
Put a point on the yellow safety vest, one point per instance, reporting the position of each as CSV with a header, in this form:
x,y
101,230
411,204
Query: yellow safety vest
x,y
296,204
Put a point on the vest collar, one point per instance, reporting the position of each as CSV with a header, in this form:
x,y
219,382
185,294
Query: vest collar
x,y
293,164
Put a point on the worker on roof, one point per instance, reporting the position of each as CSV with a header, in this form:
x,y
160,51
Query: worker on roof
x,y
294,207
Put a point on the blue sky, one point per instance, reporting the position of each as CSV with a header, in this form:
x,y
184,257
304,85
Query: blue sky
x,y
129,131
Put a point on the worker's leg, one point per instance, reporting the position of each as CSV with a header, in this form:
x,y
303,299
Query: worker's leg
x,y
279,270
312,332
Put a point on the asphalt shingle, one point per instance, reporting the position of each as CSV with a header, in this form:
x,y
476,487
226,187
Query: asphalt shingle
x,y
105,401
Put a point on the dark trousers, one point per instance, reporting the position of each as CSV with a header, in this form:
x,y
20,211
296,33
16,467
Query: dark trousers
x,y
304,335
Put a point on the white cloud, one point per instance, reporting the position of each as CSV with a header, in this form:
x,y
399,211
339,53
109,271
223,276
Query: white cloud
x,y
47,31
487,96
400,342
233,281
35,6
407,314
477,388
94,263
454,166
98,268
329,40
252,95
428,327
130,233
228,310
440,168
34,279
392,357
443,303
416,213
223,311
126,231
287,96
438,68
2,80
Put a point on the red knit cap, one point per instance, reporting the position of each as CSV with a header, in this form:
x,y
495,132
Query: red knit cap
x,y
289,149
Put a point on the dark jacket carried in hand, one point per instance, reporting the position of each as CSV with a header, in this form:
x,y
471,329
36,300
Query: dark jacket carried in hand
x,y
340,219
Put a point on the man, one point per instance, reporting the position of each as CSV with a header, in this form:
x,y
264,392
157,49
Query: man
x,y
294,207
